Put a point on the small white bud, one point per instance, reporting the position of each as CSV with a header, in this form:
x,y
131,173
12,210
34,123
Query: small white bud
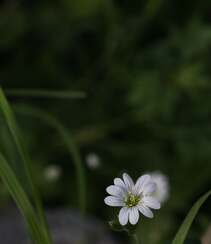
x,y
52,173
93,161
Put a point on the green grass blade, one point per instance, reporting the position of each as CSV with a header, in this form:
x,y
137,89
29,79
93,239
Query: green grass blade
x,y
14,187
183,230
68,141
14,130
38,93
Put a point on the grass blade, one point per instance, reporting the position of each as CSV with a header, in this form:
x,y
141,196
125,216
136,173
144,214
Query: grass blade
x,y
13,186
68,141
14,130
183,230
38,93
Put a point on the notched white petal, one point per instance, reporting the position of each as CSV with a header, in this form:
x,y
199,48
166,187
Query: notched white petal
x,y
115,191
119,182
128,182
145,211
162,191
133,215
123,216
113,201
151,202
141,182
149,188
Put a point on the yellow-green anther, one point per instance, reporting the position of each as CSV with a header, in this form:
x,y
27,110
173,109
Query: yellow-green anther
x,y
132,200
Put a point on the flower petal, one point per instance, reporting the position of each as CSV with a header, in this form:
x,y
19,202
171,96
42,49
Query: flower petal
x,y
123,216
149,188
140,183
151,202
115,191
119,182
145,211
133,215
128,182
113,201
162,182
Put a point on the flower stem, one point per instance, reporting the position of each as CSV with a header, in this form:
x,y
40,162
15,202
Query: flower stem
x,y
136,239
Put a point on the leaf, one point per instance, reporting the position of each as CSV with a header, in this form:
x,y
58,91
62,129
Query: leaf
x,y
38,93
67,138
14,187
16,135
184,228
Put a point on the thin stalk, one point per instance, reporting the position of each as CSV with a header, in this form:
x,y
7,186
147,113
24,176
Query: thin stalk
x,y
67,138
136,239
14,130
39,93
22,201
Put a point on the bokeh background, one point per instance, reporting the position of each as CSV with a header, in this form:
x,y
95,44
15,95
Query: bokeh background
x,y
145,69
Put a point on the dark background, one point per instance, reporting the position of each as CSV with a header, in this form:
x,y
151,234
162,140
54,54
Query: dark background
x,y
145,69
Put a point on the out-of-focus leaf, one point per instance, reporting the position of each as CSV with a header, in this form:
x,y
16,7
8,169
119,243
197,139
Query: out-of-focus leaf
x,y
38,93
183,230
68,141
17,192
16,135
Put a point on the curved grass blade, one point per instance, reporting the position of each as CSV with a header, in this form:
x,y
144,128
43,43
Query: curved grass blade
x,y
16,135
38,93
14,187
68,141
183,230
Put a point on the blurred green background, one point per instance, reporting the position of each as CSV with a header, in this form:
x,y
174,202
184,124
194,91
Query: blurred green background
x,y
145,69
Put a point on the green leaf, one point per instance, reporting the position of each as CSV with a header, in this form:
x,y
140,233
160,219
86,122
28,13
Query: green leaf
x,y
14,187
38,93
67,138
183,230
16,135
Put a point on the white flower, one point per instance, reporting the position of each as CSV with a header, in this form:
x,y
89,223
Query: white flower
x,y
52,172
162,186
93,161
133,198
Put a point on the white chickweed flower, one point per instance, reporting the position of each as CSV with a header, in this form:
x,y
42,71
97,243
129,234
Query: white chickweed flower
x,y
93,161
52,173
132,198
162,186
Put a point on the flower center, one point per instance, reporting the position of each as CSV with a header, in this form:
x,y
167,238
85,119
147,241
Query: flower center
x,y
131,200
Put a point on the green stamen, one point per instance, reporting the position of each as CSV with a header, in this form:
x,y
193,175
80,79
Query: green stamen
x,y
132,200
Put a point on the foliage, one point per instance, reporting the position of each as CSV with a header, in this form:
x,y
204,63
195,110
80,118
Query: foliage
x,y
183,230
145,69
35,218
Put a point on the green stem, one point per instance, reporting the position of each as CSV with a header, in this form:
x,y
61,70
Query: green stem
x,y
136,239
40,93
68,140
18,140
